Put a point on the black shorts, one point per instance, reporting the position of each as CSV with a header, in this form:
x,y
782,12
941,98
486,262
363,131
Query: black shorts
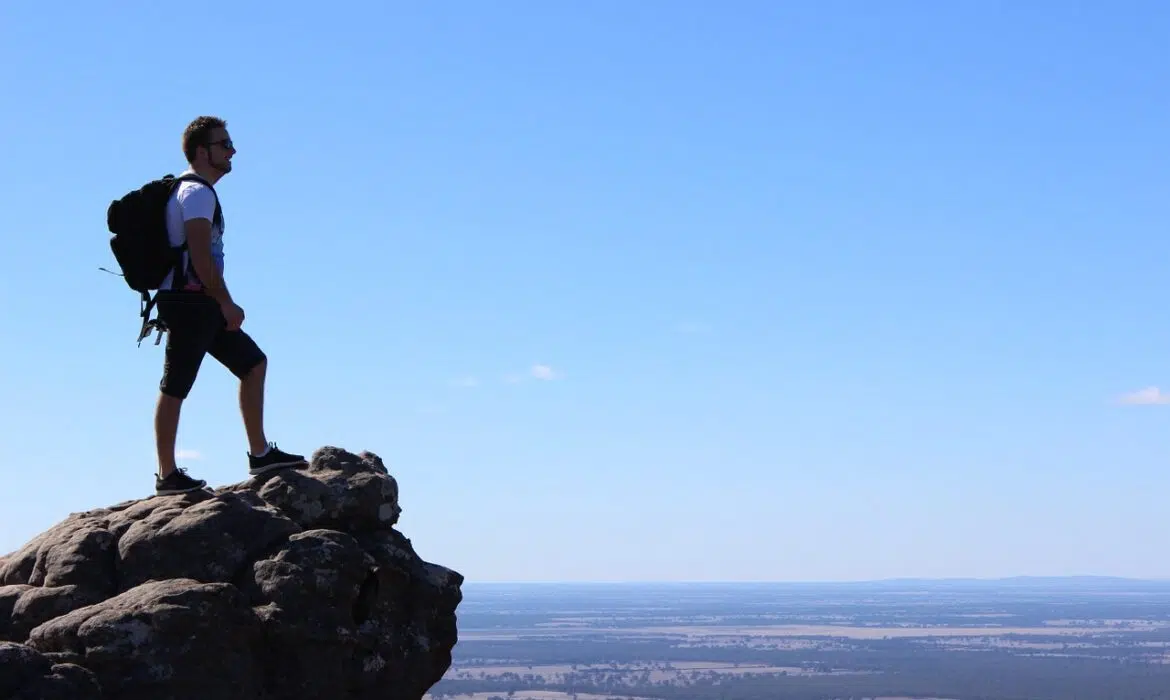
x,y
196,327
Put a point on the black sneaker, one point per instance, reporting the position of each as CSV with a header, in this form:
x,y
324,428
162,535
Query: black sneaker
x,y
177,482
274,459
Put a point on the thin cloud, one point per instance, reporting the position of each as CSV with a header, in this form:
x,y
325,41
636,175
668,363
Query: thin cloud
x,y
465,382
187,454
539,372
544,373
1150,396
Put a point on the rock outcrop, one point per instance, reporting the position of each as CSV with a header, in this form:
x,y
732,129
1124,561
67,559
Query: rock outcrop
x,y
293,585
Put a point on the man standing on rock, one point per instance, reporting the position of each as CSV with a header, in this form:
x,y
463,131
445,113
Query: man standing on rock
x,y
200,315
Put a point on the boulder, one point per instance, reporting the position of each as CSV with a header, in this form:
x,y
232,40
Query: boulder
x,y
292,585
27,674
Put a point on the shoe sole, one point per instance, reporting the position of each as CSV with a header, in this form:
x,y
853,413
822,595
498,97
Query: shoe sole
x,y
257,471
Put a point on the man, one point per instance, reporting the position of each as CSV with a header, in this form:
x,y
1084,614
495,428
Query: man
x,y
200,315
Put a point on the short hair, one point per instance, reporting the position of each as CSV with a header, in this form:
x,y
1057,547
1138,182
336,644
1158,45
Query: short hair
x,y
198,133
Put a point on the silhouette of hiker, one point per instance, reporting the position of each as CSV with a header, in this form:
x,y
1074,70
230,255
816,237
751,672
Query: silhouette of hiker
x,y
199,314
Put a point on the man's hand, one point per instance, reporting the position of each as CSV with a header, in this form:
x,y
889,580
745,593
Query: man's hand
x,y
234,315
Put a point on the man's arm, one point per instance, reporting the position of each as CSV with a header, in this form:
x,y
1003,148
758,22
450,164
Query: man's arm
x,y
199,247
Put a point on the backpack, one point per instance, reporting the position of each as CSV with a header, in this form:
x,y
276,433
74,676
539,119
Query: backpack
x,y
141,245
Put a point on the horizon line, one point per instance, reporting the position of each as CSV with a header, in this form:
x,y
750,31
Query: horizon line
x,y
899,579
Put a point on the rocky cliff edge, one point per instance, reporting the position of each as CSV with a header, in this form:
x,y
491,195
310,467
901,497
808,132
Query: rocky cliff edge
x,y
289,585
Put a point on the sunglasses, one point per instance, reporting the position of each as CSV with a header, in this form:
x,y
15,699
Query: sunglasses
x,y
226,143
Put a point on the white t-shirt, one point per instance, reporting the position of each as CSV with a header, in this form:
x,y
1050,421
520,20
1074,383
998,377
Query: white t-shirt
x,y
192,200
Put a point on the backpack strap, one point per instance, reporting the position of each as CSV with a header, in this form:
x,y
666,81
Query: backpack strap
x,y
149,324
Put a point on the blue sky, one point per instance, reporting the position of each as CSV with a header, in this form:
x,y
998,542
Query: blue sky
x,y
628,291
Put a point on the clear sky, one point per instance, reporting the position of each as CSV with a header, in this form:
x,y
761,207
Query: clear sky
x,y
627,290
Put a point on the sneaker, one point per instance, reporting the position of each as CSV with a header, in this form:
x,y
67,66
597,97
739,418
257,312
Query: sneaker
x,y
274,459
177,482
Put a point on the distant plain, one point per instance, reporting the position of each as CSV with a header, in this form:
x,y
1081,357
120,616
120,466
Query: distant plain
x,y
1015,638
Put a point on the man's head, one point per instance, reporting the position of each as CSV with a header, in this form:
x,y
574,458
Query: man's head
x,y
208,147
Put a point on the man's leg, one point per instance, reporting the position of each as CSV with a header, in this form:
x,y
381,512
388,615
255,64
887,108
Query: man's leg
x,y
166,431
239,353
252,407
190,330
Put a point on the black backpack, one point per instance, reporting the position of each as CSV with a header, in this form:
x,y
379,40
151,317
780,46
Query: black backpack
x,y
141,246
